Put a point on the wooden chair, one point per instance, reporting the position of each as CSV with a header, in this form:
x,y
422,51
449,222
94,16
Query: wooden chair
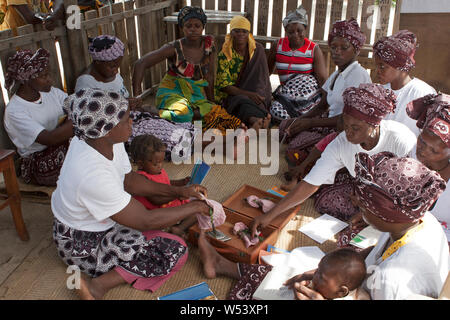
x,y
12,190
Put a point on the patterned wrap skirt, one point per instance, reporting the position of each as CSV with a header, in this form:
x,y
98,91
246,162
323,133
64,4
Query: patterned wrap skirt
x,y
145,260
43,167
297,96
251,277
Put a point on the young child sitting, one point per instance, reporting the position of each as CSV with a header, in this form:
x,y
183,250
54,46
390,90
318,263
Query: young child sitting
x,y
339,275
148,153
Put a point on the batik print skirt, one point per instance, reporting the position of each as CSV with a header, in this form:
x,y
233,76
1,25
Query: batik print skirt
x,y
251,277
43,167
146,259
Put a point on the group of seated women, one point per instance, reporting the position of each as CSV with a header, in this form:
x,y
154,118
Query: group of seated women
x,y
388,168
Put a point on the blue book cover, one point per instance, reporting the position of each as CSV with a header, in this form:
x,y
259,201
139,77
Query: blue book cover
x,y
200,291
199,172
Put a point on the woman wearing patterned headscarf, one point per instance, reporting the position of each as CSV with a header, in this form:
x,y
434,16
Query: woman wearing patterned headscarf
x,y
33,117
186,93
98,225
432,113
300,64
242,82
365,107
394,59
411,255
345,41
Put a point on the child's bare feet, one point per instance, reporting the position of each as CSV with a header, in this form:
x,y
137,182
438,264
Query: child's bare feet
x,y
176,230
208,255
266,121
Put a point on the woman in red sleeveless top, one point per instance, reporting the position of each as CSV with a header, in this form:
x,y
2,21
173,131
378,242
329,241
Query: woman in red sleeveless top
x,y
300,64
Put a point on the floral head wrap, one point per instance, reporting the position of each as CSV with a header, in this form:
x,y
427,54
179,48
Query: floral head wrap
x,y
348,29
106,48
189,12
95,112
397,50
369,102
397,190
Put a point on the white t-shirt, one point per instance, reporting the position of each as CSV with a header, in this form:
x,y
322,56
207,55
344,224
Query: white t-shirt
x,y
352,76
25,120
419,267
394,137
90,187
413,90
88,81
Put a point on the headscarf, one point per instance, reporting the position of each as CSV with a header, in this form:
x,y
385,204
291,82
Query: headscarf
x,y
238,22
397,50
106,48
369,102
26,65
94,112
348,29
297,16
189,12
397,190
433,113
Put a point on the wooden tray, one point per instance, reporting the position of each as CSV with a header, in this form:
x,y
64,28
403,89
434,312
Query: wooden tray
x,y
237,210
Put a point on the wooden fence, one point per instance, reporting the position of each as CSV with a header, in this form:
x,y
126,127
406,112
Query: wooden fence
x,y
139,24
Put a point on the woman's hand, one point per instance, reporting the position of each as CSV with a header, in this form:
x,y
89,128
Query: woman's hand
x,y
193,191
256,98
260,222
357,222
298,126
306,276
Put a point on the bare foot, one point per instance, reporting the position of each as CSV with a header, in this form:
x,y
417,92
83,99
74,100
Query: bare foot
x,y
289,186
208,255
266,121
84,292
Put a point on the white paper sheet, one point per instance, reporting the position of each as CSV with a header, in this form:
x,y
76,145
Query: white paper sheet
x,y
323,228
366,238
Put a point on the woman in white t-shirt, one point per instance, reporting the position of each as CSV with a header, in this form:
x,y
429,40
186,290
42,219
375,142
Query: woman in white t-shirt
x,y
433,145
34,117
365,131
345,41
394,59
411,255
98,225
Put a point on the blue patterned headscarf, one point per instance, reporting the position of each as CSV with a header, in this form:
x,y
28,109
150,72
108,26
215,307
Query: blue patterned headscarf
x,y
189,12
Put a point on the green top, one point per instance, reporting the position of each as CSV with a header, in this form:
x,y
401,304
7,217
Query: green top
x,y
227,73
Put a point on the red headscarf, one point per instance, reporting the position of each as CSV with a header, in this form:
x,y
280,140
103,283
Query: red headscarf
x,y
397,50
369,102
397,190
433,113
348,29
26,65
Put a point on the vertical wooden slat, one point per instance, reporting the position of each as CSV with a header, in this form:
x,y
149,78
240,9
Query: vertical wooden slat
x,y
336,11
159,42
263,17
366,13
277,18
145,27
320,19
91,32
210,5
106,27
236,5
398,7
196,3
222,30
307,5
383,17
49,45
352,9
119,27
27,29
249,9
5,142
132,42
69,76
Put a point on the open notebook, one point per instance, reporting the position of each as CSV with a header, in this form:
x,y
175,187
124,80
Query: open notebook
x,y
199,172
285,267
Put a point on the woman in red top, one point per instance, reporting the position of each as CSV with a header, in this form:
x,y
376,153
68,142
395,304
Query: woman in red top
x,y
300,64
